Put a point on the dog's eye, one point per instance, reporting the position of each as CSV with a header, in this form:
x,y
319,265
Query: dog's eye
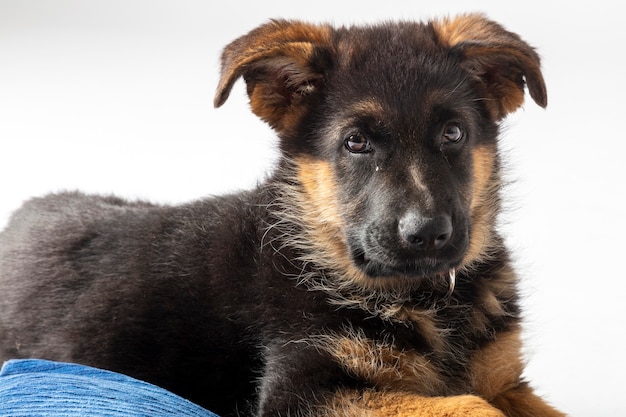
x,y
452,133
357,143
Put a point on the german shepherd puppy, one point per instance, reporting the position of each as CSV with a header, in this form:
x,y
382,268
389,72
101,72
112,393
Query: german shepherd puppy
x,y
364,277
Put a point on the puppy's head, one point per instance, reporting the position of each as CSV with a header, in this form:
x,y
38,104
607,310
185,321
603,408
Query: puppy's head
x,y
392,132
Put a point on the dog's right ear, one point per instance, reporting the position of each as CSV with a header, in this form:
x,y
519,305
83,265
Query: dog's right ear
x,y
282,63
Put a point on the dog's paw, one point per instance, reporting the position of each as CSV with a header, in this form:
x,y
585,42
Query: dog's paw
x,y
401,404
462,406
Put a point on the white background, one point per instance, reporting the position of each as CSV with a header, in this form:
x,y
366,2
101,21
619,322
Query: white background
x,y
115,96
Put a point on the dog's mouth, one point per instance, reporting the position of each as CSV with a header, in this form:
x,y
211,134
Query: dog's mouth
x,y
436,271
424,268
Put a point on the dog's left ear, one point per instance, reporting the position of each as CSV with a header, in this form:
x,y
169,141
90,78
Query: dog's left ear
x,y
282,63
500,59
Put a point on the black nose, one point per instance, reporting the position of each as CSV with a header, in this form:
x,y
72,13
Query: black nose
x,y
425,233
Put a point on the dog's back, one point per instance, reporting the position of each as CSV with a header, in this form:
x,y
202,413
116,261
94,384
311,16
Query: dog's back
x,y
88,279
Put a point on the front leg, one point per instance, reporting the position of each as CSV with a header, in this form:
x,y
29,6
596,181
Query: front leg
x,y
297,380
350,376
300,380
496,374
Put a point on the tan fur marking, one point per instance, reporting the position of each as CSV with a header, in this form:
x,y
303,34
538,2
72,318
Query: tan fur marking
x,y
397,377
368,107
382,364
483,206
418,179
491,304
404,404
496,376
322,217
498,366
467,27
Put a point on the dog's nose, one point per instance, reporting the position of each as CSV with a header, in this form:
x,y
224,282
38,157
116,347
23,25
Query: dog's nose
x,y
426,234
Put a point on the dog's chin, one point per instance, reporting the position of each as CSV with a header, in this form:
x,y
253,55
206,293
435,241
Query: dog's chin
x,y
427,268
